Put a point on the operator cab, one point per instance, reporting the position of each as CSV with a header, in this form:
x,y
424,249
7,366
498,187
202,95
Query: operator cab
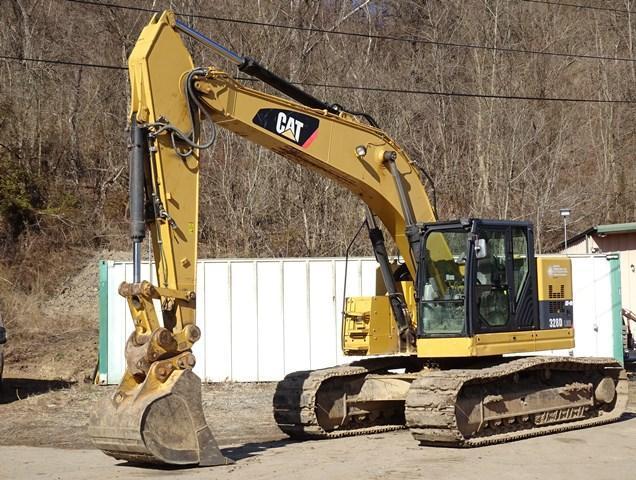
x,y
476,276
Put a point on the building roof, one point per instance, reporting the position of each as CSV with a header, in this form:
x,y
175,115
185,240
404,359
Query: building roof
x,y
616,228
609,229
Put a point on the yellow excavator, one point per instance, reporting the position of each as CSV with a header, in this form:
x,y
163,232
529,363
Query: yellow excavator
x,y
464,295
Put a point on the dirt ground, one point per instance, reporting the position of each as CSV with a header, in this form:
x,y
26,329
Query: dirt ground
x,y
55,413
53,416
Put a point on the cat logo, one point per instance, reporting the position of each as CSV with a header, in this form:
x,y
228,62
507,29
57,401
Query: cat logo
x,y
288,126
296,127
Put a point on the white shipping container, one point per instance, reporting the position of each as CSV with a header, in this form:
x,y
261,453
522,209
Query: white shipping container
x,y
260,319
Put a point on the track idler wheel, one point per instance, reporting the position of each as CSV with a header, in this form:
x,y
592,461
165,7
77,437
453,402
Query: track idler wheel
x,y
157,422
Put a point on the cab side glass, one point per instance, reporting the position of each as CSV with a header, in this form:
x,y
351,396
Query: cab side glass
x,y
492,286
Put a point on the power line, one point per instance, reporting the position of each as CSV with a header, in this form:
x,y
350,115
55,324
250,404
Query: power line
x,y
460,94
123,7
575,5
353,87
364,35
63,62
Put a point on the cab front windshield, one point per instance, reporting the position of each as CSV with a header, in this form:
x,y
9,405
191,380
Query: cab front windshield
x,y
442,309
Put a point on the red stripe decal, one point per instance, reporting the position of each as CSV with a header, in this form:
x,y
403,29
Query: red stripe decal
x,y
310,139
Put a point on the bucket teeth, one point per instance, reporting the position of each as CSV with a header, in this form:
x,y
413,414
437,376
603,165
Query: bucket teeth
x,y
157,423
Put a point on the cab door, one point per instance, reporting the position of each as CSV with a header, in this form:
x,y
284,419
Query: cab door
x,y
502,277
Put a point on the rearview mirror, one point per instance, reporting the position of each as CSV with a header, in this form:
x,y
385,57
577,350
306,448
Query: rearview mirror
x,y
481,251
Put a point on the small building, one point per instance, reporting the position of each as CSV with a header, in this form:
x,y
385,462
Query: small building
x,y
617,237
614,238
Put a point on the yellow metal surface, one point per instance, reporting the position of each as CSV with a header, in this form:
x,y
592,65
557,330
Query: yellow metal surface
x,y
496,343
369,327
332,152
408,290
355,326
157,65
554,278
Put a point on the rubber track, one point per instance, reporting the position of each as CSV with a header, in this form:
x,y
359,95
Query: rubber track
x,y
430,403
295,399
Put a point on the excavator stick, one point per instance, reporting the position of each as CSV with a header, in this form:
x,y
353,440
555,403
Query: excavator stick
x,y
156,415
157,424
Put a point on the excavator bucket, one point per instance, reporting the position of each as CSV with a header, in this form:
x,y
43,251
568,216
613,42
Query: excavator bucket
x,y
157,423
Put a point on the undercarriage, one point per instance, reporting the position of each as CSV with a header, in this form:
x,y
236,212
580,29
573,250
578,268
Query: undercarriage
x,y
507,399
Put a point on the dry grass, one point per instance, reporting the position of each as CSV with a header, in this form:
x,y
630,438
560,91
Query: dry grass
x,y
51,316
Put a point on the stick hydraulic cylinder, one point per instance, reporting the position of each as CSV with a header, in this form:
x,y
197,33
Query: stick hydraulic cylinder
x,y
136,190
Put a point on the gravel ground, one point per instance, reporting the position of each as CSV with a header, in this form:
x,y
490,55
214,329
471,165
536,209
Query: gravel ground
x,y
601,453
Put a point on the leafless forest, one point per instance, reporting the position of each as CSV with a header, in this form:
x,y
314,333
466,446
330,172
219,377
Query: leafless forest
x,y
63,155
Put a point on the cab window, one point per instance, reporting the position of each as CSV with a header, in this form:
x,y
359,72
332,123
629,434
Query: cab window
x,y
442,309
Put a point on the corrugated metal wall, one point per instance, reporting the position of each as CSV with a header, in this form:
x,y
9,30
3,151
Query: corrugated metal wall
x,y
261,319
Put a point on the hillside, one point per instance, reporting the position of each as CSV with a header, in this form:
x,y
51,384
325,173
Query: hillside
x,y
514,108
